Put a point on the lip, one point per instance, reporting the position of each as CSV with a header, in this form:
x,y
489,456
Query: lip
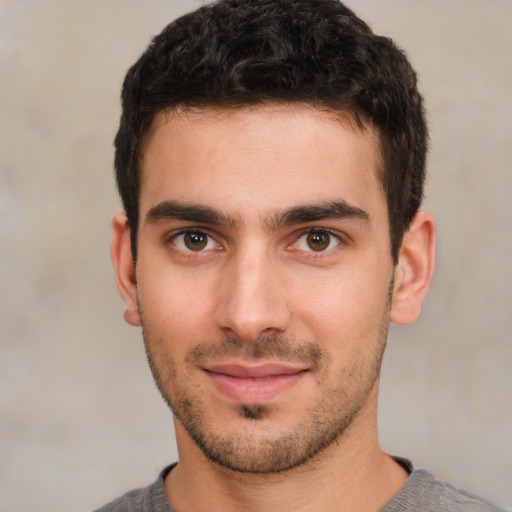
x,y
254,384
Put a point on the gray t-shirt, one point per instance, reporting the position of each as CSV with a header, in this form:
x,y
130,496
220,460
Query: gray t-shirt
x,y
421,493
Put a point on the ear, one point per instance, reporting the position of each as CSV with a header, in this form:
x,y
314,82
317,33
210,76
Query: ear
x,y
414,269
124,267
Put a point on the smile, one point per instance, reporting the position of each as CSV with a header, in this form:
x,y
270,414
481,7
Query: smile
x,y
254,385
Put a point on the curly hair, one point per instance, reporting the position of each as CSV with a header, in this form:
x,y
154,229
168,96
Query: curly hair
x,y
236,53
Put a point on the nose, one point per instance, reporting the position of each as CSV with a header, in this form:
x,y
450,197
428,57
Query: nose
x,y
251,300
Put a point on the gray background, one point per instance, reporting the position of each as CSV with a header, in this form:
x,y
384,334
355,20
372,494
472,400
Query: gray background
x,y
80,419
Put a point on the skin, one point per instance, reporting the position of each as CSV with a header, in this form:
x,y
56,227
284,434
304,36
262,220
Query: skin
x,y
264,251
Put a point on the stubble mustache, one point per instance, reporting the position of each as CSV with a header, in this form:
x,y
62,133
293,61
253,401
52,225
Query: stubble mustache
x,y
263,348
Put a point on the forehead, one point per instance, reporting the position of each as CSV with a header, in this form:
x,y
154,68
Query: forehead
x,y
258,159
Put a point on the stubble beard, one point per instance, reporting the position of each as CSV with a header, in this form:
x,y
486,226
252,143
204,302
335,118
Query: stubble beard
x,y
323,423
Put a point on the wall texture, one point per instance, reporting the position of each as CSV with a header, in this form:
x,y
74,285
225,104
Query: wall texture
x,y
80,419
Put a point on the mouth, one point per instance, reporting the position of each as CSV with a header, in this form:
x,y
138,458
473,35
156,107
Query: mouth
x,y
254,384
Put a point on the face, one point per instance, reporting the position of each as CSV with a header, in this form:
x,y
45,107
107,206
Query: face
x,y
263,279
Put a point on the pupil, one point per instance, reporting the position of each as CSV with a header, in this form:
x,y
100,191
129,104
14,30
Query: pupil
x,y
318,241
195,241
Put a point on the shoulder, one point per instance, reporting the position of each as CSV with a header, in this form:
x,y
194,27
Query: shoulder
x,y
129,502
444,496
147,499
423,493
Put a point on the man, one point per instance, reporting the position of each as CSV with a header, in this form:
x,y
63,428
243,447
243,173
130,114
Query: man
x,y
271,160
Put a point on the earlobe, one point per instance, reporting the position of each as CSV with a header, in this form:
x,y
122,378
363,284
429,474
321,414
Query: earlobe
x,y
124,267
414,270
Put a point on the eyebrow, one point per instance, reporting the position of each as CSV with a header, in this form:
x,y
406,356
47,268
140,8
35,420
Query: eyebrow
x,y
176,210
316,212
169,210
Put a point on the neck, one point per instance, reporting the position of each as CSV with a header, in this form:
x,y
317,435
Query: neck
x,y
353,474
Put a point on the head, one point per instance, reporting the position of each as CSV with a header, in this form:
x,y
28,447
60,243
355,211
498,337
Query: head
x,y
271,161
234,54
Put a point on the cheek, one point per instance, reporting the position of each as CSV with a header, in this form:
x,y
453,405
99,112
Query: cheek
x,y
175,306
344,310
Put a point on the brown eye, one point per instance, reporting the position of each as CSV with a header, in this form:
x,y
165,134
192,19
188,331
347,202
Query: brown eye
x,y
318,240
195,240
